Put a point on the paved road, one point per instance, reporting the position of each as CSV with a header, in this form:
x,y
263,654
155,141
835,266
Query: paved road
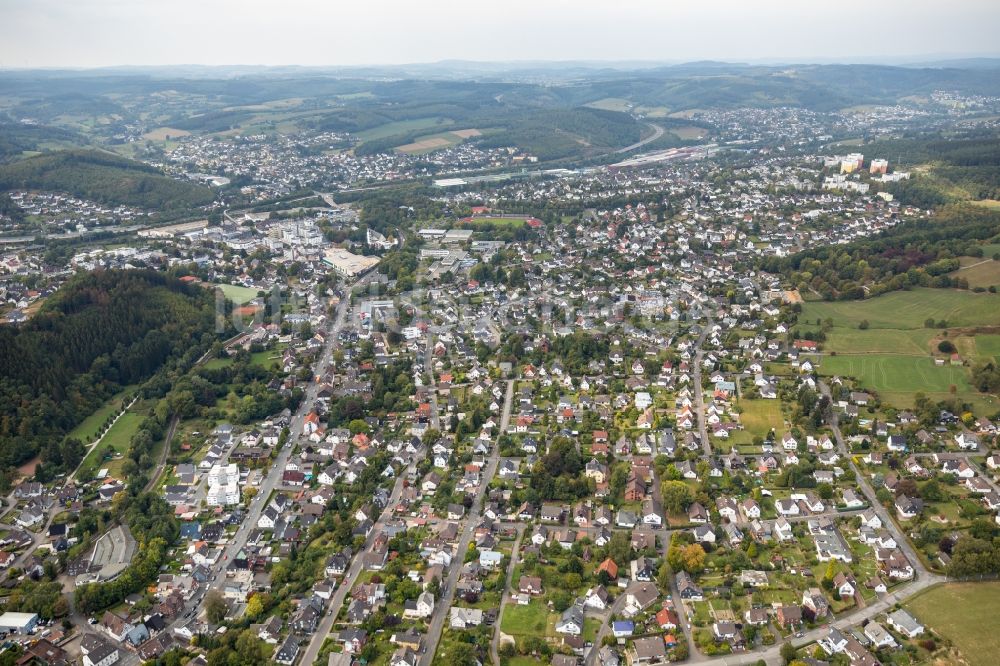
x,y
869,493
505,597
699,394
657,133
351,576
270,482
472,518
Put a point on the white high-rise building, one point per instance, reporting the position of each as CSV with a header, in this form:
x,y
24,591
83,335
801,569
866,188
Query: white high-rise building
x,y
223,485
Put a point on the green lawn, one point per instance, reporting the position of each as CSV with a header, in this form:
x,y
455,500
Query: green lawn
x,y
968,614
530,620
115,441
216,363
981,272
90,426
237,294
759,416
591,625
908,309
988,346
893,373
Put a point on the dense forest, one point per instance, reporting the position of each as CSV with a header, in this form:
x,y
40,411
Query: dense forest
x,y
16,138
962,166
104,178
10,209
916,253
100,332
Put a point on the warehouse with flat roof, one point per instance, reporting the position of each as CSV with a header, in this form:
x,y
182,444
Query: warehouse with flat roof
x,y
347,263
20,623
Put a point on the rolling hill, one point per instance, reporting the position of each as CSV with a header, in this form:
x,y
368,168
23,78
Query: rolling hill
x,y
103,177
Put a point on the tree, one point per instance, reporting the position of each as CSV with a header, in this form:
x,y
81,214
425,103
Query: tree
x,y
620,548
693,557
215,607
788,652
254,607
463,654
946,347
676,496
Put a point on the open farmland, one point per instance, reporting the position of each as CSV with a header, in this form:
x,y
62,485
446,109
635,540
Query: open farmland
x,y
967,614
165,134
979,272
402,127
895,373
908,309
894,356
434,142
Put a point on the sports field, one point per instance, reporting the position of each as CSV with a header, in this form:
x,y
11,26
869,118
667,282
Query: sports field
x,y
499,221
237,294
967,614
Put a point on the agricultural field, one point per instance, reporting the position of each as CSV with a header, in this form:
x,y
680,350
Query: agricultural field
x,y
987,346
611,104
908,310
967,614
402,127
165,134
896,373
432,142
979,272
894,355
880,341
897,378
237,294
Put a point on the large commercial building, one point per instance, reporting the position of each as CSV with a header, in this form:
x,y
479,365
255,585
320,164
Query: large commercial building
x,y
348,264
18,623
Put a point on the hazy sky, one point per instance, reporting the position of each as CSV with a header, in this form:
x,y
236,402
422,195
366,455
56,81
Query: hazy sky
x,y
89,33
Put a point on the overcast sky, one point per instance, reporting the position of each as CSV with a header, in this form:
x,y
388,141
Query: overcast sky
x,y
90,33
